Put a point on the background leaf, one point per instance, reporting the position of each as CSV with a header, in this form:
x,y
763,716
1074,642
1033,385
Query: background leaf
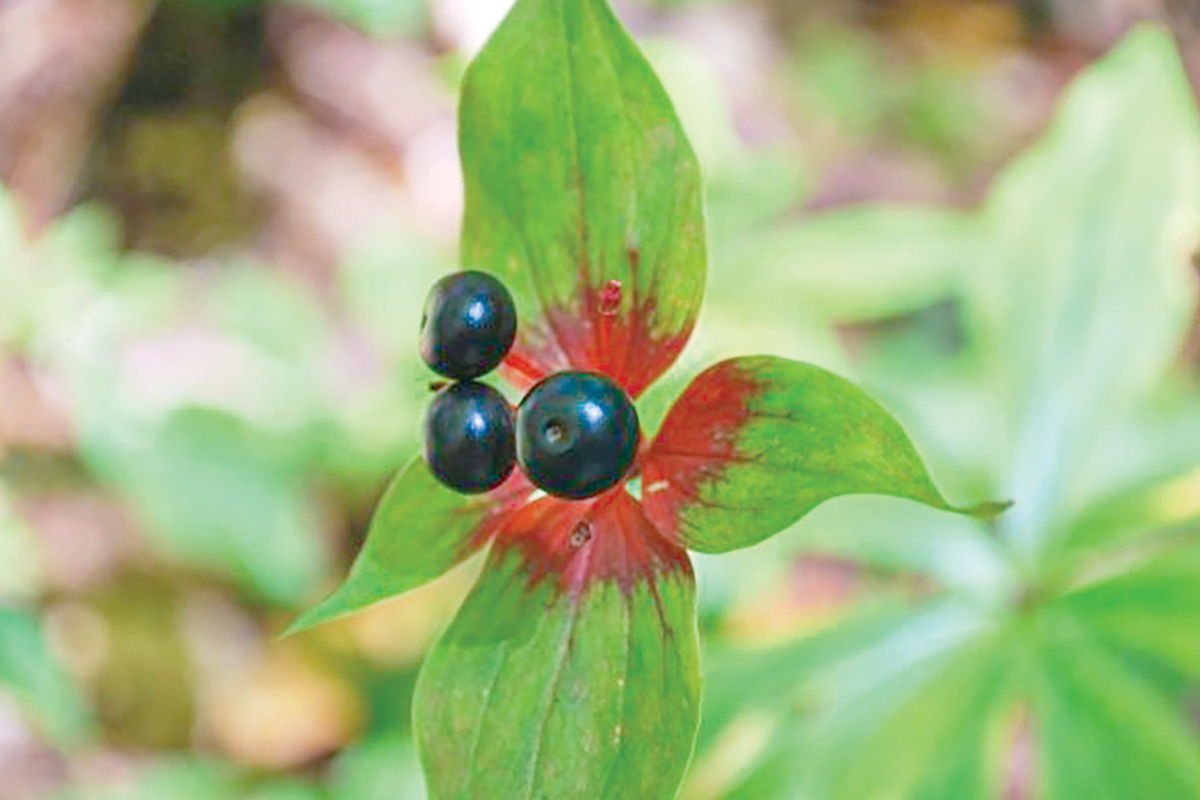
x,y
856,263
1106,731
31,672
1089,239
879,717
1153,608
256,522
1074,301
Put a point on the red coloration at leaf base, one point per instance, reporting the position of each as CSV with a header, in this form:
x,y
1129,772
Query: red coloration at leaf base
x,y
519,371
591,333
575,542
697,440
608,537
605,538
501,503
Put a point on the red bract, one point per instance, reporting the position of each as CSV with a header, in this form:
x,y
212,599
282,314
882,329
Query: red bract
x,y
605,329
609,536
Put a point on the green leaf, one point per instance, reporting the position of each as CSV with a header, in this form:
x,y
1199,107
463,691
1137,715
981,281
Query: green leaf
x,y
882,534
579,175
215,492
755,443
420,530
856,263
28,668
905,713
1106,732
908,712
535,692
740,681
1083,288
934,741
176,777
381,767
1153,608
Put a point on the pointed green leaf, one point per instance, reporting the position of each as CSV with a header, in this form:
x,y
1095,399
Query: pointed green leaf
x,y
1106,732
933,739
583,193
420,530
579,692
756,443
905,714
1083,287
748,680
1154,609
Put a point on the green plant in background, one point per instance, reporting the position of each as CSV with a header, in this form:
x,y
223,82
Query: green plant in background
x,y
1061,654
572,668
28,668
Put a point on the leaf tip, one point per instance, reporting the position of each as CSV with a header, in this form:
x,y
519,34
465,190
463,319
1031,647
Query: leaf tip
x,y
987,510
329,609
309,619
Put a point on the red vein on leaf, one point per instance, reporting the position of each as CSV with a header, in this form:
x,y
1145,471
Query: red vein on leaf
x,y
498,506
608,305
520,371
699,440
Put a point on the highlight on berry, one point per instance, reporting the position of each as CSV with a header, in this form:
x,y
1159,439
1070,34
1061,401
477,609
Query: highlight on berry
x,y
469,325
469,443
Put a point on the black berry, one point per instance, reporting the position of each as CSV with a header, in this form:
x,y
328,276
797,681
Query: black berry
x,y
577,434
469,325
469,437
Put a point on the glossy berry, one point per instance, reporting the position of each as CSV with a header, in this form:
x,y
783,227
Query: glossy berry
x,y
577,434
469,437
469,325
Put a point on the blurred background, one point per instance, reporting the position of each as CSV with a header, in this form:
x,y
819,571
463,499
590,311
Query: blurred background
x,y
219,220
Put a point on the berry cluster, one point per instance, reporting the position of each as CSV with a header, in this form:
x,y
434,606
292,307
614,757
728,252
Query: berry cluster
x,y
574,434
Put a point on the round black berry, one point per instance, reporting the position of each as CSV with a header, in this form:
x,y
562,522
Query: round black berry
x,y
577,434
469,437
469,325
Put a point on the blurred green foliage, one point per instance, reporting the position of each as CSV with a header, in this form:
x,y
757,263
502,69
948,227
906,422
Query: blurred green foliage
x,y
29,669
1071,629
